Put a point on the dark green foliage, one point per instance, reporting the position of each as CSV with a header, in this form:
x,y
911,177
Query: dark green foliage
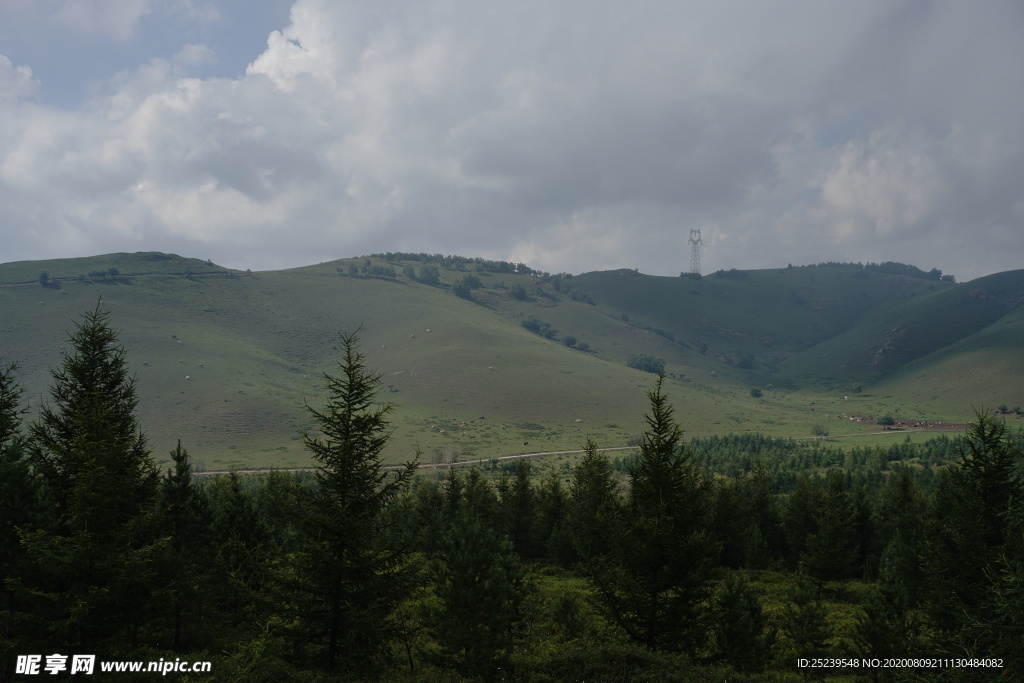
x,y
22,506
885,421
479,584
974,545
90,574
805,622
44,278
429,275
642,361
569,340
89,430
518,292
462,289
592,504
741,638
886,626
517,508
347,575
185,520
655,582
756,393
830,551
538,327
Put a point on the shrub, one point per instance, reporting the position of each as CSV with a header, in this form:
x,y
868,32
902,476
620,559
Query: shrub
x,y
569,340
642,361
756,393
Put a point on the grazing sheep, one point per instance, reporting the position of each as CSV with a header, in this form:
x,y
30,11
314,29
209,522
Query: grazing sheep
x,y
200,365
146,363
181,361
187,377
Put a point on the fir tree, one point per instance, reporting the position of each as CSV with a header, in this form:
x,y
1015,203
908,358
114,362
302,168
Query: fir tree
x,y
22,507
89,430
655,582
974,543
348,575
93,570
740,626
804,621
479,583
184,517
592,502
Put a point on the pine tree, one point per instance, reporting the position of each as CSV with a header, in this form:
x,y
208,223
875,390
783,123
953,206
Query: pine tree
x,y
740,626
886,626
592,503
93,570
804,621
348,575
22,507
655,582
517,505
479,583
184,518
830,552
974,545
89,431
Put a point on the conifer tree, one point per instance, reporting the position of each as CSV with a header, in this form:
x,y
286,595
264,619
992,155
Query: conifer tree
x,y
22,507
655,582
89,430
740,626
184,518
886,627
518,504
592,503
974,544
804,620
479,583
94,569
830,552
348,575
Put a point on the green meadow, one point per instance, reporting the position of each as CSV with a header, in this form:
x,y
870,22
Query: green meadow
x,y
227,360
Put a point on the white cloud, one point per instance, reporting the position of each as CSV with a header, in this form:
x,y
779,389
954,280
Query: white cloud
x,y
567,135
16,82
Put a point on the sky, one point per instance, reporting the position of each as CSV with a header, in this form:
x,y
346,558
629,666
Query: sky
x,y
570,135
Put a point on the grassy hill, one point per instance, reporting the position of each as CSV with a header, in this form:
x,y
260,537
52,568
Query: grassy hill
x,y
226,360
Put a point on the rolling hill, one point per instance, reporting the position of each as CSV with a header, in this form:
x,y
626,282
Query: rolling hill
x,y
226,360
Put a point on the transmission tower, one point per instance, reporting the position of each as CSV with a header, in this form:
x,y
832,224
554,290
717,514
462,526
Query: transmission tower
x,y
695,243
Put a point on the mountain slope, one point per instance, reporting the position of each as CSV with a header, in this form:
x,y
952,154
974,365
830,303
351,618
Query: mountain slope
x,y
226,360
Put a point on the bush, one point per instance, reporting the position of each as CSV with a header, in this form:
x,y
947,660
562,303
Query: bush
x,y
642,361
584,346
429,275
519,292
756,393
569,340
886,420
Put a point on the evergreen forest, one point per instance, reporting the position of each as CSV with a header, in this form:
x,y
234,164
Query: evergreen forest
x,y
715,558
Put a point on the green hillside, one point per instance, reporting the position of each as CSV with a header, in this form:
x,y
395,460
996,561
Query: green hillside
x,y
226,360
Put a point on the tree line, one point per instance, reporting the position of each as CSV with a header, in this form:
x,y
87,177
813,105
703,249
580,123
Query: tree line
x,y
655,567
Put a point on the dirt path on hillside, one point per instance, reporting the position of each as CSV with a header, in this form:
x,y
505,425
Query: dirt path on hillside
x,y
421,466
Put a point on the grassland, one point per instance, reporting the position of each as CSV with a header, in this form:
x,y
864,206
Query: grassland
x,y
226,361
